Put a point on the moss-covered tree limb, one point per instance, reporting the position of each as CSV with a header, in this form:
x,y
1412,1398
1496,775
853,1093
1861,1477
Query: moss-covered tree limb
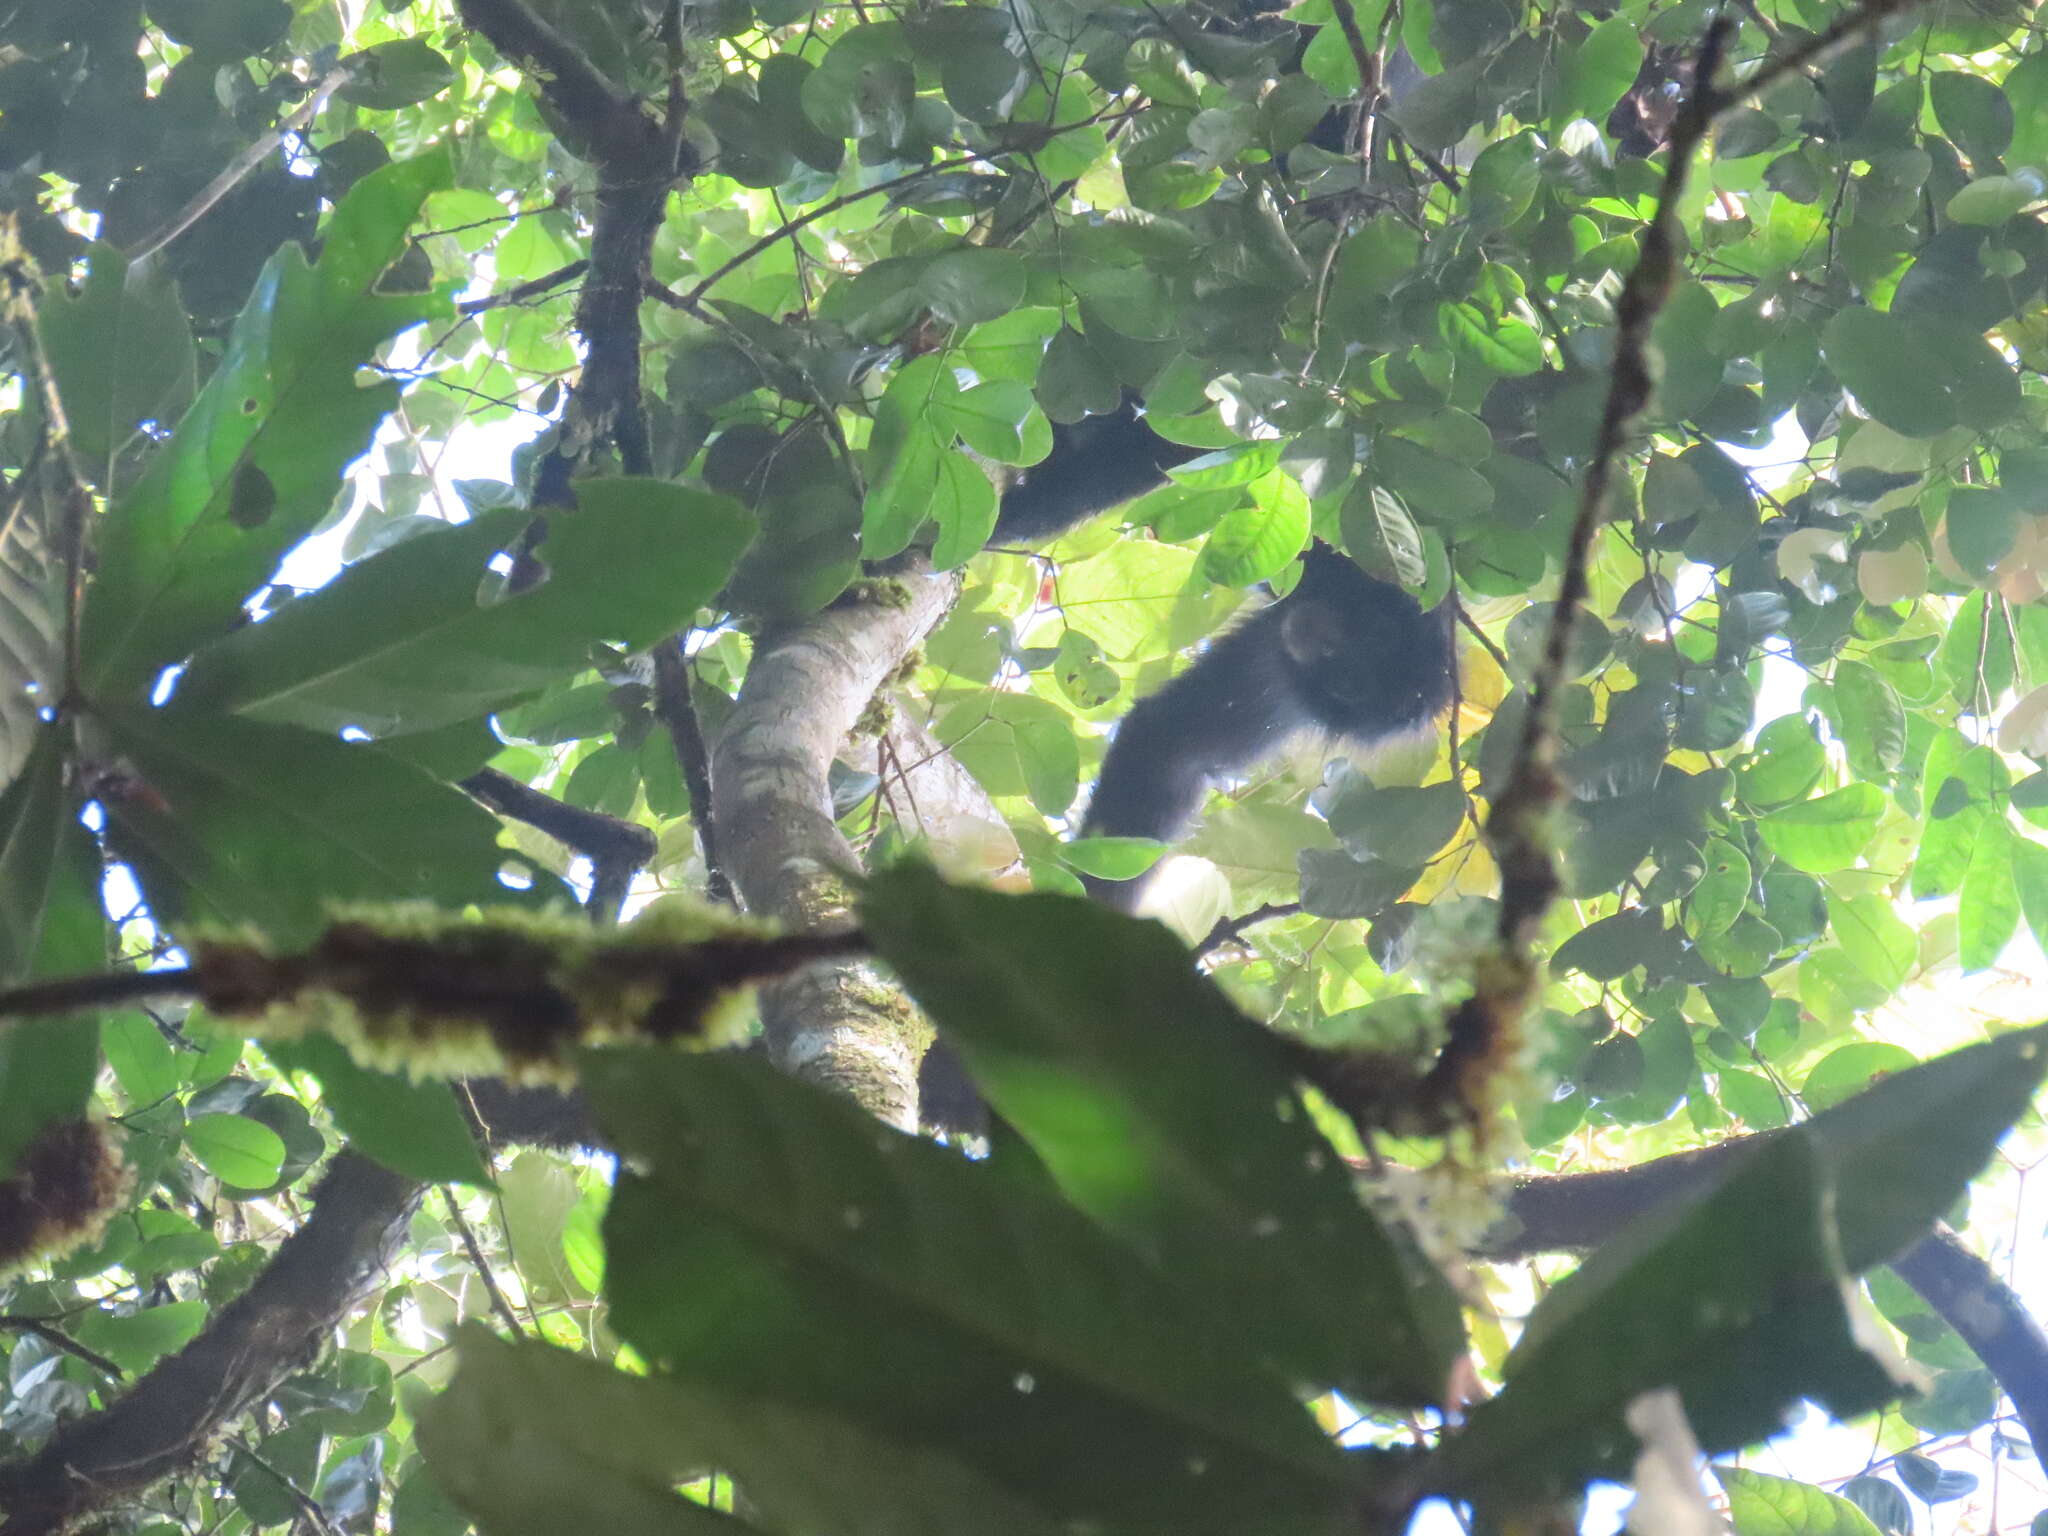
x,y
173,1414
840,1025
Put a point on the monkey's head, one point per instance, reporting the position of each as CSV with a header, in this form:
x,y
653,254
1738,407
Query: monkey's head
x,y
1365,660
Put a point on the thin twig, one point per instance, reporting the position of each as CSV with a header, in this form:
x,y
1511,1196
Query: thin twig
x,y
499,1305
676,711
689,299
1370,90
1529,877
1230,929
533,287
70,994
57,1338
237,168
1846,29
1486,642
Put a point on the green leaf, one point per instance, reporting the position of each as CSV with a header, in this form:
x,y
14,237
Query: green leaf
x,y
1824,834
1995,199
904,454
285,402
1847,1070
1982,524
1905,1149
968,286
1051,760
865,84
235,1149
121,350
1401,824
1761,1505
1975,114
1785,763
141,1058
964,506
413,638
400,73
1503,346
411,1126
1136,592
1989,913
1160,1119
903,1278
47,1065
1378,528
1753,1099
1931,1482
137,1340
32,815
1112,858
615,1458
247,823
780,84
1878,942
1723,891
1260,540
1335,885
1956,375
1871,719
1736,1299
2030,880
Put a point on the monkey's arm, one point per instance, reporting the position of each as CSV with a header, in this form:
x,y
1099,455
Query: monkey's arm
x,y
1096,463
1213,721
1344,654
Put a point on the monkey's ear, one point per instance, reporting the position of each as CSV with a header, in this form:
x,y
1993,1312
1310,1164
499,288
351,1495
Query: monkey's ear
x,y
1311,632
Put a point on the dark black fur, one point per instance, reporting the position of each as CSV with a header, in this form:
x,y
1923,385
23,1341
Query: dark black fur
x,y
1096,463
1343,654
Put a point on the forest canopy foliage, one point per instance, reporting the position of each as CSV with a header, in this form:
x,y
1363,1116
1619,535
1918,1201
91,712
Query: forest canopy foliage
x,y
474,469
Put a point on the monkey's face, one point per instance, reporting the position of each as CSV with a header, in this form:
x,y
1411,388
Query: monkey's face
x,y
1355,665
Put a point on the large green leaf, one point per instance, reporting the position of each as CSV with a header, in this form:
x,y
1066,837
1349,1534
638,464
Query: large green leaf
x,y
31,617
48,1066
409,639
236,821
1903,1150
1762,1505
255,463
120,347
904,1292
32,815
1955,375
1739,1301
534,1441
411,1127
1171,1119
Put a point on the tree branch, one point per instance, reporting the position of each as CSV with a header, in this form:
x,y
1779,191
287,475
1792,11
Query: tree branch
x,y
837,1024
170,1417
1228,930
519,293
674,708
236,169
689,299
608,117
617,849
